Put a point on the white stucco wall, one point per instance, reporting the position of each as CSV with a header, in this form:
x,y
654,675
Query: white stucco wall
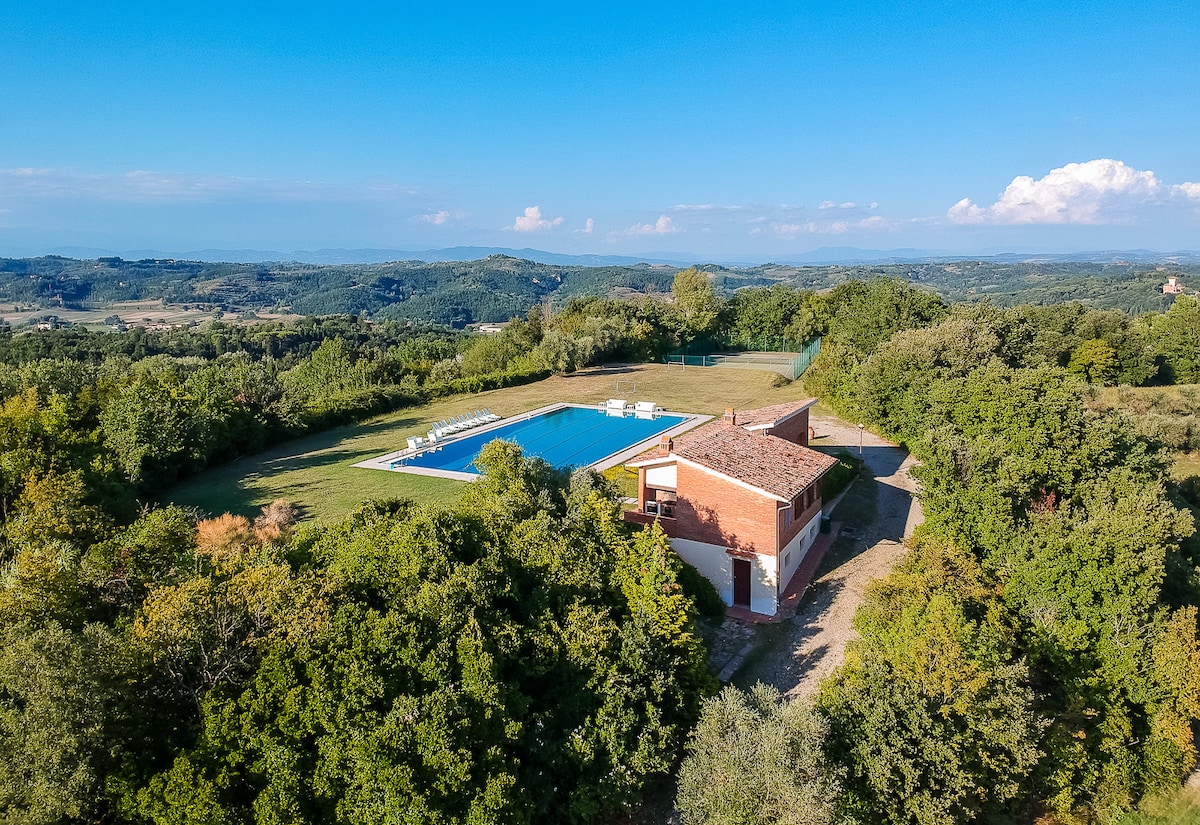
x,y
661,476
716,565
764,592
796,550
712,562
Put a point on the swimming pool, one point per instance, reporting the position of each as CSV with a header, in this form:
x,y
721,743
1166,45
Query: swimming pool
x,y
565,435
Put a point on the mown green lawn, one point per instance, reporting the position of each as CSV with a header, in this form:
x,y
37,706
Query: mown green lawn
x,y
315,472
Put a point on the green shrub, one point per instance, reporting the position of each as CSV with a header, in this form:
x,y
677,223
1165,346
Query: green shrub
x,y
701,591
840,476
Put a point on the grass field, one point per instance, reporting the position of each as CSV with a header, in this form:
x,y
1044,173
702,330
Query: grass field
x,y
1180,403
131,312
315,472
1187,465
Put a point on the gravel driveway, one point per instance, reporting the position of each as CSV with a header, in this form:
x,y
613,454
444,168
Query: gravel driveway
x,y
795,656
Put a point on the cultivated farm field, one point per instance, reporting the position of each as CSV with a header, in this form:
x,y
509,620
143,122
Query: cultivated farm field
x,y
133,313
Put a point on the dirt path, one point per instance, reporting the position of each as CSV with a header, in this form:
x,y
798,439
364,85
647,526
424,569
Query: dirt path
x,y
796,656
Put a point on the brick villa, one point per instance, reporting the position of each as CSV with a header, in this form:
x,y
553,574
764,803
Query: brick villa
x,y
739,498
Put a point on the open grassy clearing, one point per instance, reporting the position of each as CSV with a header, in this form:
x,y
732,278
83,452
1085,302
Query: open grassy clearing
x,y
315,472
1143,399
1179,404
1186,466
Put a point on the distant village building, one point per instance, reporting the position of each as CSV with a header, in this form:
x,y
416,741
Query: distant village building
x,y
52,322
1172,286
163,326
740,499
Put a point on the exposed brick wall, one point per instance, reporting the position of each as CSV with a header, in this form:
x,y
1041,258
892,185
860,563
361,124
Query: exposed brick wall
x,y
799,521
638,517
713,510
648,493
795,429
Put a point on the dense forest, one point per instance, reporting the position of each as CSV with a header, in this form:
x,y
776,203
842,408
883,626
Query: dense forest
x,y
525,656
499,287
1035,656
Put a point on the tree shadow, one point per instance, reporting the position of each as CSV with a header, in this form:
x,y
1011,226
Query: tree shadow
x,y
882,461
320,458
763,663
610,369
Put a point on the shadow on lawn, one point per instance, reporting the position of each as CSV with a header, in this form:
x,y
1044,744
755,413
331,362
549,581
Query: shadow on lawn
x,y
857,513
762,664
319,442
316,458
881,461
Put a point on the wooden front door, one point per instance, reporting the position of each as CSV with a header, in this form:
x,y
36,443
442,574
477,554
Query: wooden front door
x,y
741,583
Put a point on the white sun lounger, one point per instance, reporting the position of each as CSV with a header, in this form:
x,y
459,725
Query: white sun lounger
x,y
415,441
488,415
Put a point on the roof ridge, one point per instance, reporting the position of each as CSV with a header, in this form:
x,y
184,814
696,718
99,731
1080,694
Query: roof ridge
x,y
772,464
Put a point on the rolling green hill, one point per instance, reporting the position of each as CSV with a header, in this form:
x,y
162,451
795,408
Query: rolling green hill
x,y
499,287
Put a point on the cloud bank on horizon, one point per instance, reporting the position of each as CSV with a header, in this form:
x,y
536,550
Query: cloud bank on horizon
x,y
1098,192
1103,192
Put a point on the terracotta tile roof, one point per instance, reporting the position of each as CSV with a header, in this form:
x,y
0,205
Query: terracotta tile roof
x,y
773,465
649,455
771,415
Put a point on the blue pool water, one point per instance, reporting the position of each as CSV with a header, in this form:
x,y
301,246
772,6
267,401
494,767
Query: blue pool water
x,y
565,437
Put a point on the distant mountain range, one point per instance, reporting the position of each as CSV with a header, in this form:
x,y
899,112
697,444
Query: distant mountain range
x,y
380,256
825,256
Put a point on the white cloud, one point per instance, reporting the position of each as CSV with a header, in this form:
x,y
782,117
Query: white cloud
x,y
874,223
791,230
786,220
147,186
1102,191
709,207
435,218
663,226
532,221
589,226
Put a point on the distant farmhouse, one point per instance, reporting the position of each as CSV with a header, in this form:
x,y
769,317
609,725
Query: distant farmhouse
x,y
1172,286
740,499
492,329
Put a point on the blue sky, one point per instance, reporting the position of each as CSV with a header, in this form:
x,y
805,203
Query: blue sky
x,y
751,130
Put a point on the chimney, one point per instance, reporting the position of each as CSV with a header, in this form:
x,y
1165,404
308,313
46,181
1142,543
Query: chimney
x,y
730,416
666,443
